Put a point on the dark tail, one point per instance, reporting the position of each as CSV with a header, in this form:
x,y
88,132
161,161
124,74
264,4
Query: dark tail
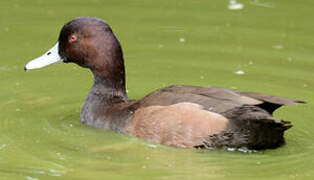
x,y
250,127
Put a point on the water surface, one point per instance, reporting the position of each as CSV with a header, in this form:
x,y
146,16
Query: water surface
x,y
267,46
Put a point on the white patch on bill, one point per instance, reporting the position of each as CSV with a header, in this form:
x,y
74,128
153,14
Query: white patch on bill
x,y
50,57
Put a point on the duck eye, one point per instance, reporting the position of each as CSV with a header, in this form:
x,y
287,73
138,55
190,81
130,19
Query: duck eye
x,y
73,38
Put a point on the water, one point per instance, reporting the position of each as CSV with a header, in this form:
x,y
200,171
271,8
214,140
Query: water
x,y
165,42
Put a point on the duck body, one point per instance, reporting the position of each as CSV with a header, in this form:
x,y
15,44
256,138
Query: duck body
x,y
179,115
190,116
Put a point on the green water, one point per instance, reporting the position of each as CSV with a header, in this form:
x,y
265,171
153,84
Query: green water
x,y
165,42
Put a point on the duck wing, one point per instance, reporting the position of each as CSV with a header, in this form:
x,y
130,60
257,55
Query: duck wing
x,y
270,103
214,99
191,116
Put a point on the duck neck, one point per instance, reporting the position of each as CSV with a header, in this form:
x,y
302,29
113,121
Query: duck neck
x,y
107,64
109,88
104,93
109,71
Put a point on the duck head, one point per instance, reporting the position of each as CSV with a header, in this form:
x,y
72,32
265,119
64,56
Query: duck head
x,y
90,43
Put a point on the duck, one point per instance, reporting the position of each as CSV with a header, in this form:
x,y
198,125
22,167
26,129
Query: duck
x,y
178,115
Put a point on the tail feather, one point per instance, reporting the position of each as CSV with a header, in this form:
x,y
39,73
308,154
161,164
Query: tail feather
x,y
250,127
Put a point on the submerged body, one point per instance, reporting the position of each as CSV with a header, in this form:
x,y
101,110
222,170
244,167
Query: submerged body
x,y
180,116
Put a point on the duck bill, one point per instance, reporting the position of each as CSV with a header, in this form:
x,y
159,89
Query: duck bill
x,y
50,57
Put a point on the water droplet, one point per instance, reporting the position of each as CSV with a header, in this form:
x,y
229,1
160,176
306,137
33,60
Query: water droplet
x,y
160,46
152,145
278,46
239,72
233,5
52,170
265,5
289,59
244,150
3,146
31,178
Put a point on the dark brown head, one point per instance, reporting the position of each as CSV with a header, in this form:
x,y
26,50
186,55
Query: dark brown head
x,y
88,42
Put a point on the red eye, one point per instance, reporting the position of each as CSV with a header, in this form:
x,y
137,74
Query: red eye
x,y
73,38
